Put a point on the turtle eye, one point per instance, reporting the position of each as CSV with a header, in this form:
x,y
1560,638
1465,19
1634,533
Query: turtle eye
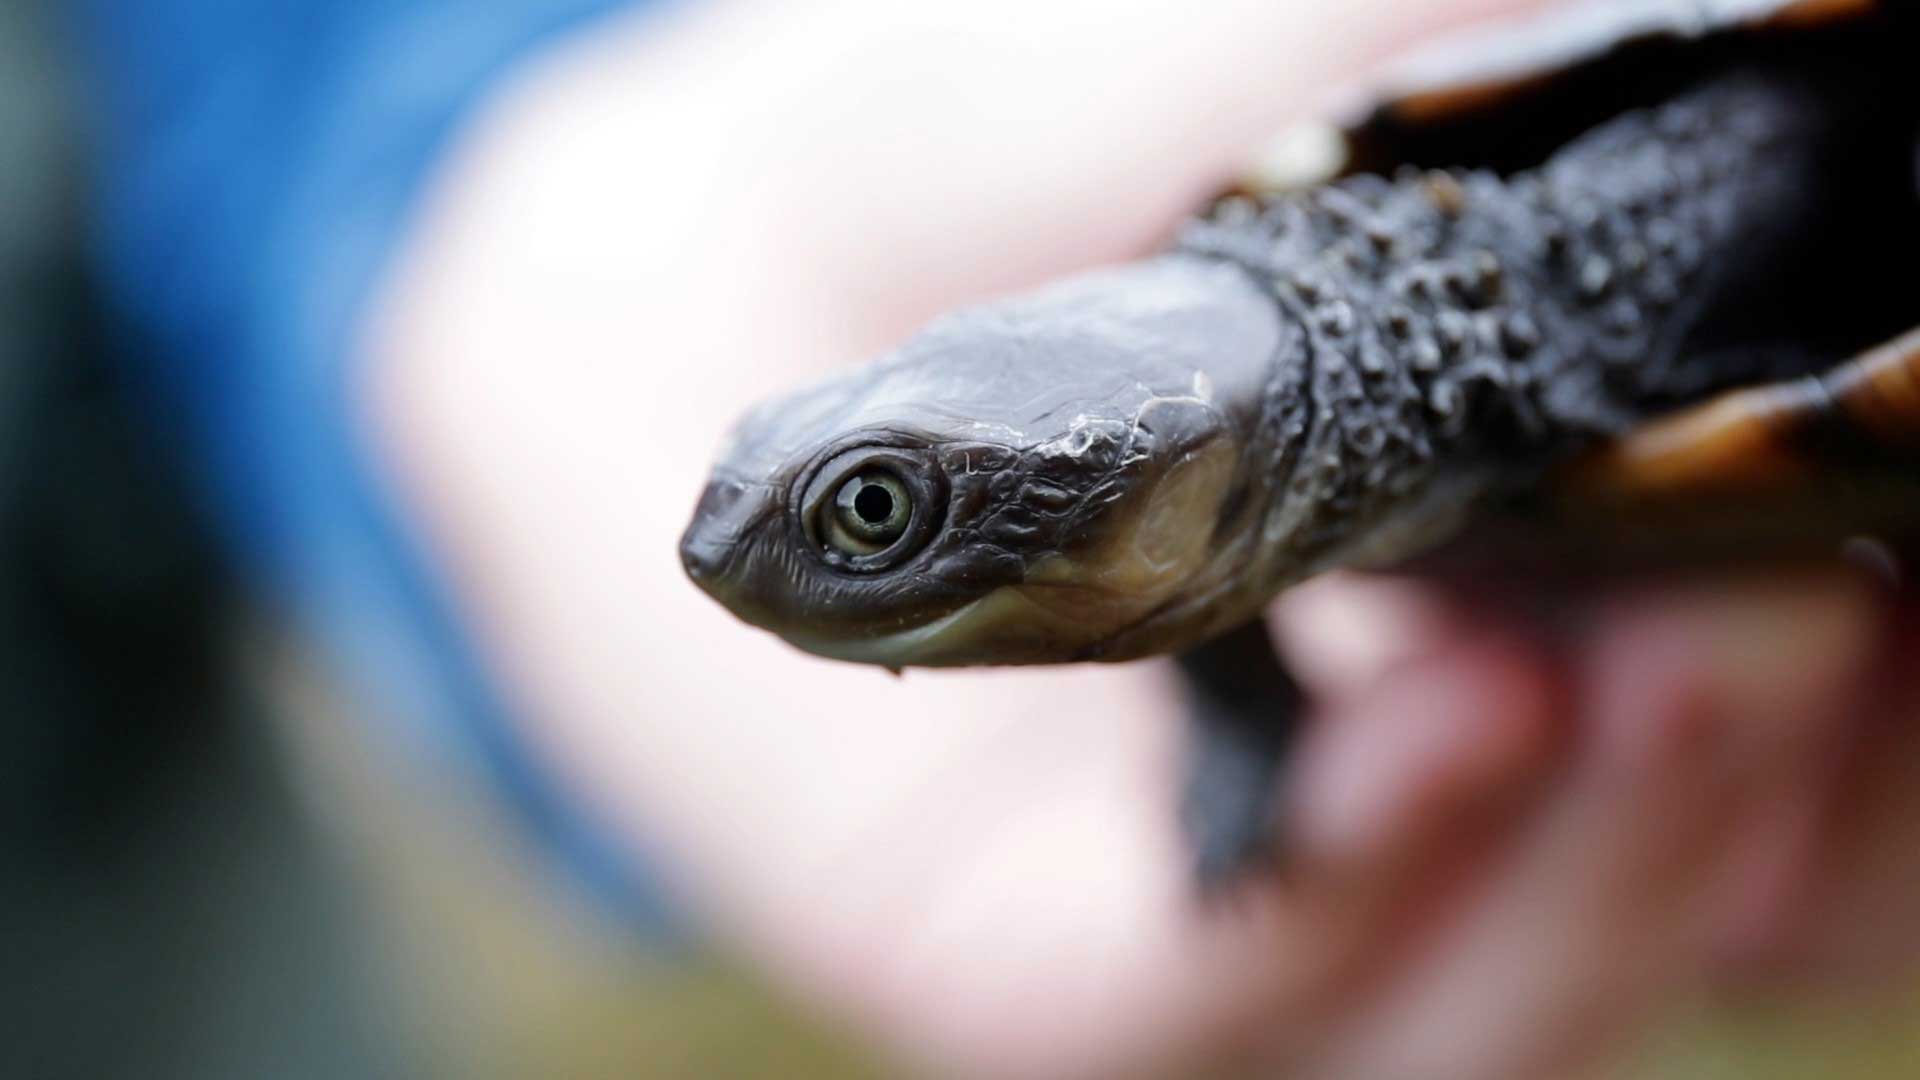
x,y
872,508
870,513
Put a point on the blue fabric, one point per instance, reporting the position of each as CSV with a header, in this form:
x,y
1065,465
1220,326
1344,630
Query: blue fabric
x,y
256,163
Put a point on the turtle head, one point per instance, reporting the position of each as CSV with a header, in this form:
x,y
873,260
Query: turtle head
x,y
1026,482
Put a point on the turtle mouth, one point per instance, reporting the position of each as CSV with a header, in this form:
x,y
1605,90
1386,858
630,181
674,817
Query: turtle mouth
x,y
1007,626
901,648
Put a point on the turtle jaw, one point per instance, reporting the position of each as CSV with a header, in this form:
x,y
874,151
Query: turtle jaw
x,y
1011,626
1002,627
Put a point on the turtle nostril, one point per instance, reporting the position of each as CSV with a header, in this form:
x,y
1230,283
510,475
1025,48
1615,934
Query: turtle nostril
x,y
700,560
703,559
718,544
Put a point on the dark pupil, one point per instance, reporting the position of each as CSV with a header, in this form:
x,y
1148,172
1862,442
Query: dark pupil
x,y
874,504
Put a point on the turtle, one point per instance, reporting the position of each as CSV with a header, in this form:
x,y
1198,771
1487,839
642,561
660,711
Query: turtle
x,y
1623,268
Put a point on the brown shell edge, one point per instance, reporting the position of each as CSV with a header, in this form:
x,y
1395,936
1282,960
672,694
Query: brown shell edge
x,y
1862,416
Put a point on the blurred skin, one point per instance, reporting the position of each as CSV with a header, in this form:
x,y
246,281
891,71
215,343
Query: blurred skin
x,y
1522,826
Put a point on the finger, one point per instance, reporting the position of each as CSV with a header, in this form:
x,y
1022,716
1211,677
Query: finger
x,y
1463,728
1424,707
1852,929
1695,705
1344,634
1821,797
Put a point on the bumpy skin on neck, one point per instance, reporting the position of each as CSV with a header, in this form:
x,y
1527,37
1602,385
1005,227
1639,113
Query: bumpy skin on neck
x,y
1462,330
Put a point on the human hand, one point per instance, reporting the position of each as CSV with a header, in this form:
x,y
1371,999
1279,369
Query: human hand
x,y
1508,847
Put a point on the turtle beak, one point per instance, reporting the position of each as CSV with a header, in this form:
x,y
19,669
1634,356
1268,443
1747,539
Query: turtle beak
x,y
723,523
705,561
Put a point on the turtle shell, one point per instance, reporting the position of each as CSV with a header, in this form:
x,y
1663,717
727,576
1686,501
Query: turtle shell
x,y
1483,68
1502,95
1837,453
